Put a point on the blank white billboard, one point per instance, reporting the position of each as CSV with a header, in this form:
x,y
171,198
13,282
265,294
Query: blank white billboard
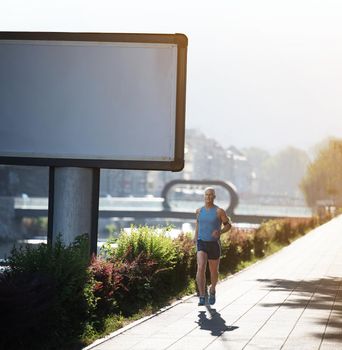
x,y
99,100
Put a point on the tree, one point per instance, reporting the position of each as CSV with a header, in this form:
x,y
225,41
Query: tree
x,y
281,174
323,180
256,157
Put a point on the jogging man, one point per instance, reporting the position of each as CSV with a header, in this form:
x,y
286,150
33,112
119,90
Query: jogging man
x,y
211,222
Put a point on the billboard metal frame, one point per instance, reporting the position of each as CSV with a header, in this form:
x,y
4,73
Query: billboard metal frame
x,y
177,163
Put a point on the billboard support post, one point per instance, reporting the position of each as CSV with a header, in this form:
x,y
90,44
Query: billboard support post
x,y
73,204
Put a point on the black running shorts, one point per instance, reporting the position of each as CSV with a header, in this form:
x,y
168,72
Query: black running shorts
x,y
212,248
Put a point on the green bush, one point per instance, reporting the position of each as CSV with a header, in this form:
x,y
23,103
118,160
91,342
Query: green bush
x,y
121,286
47,295
262,239
137,289
152,266
146,258
185,268
111,230
236,246
106,279
154,242
35,226
25,308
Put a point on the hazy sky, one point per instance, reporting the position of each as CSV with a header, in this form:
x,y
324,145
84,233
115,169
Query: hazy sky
x,y
262,73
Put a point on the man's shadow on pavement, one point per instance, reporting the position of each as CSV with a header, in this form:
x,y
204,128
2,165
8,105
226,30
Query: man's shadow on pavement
x,y
215,324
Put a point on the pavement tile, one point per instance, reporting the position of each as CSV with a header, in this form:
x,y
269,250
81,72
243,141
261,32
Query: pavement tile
x,y
302,343
331,345
192,342
124,343
227,344
154,343
267,343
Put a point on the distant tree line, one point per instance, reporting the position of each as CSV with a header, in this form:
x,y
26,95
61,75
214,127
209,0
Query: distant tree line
x,y
278,174
323,179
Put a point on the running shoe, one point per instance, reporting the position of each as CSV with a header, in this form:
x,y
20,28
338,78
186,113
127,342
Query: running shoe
x,y
201,301
212,298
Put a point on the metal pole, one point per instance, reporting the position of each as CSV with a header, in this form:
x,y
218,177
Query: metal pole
x,y
51,205
95,211
73,204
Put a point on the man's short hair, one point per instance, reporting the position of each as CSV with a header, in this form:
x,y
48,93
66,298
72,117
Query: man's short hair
x,y
210,189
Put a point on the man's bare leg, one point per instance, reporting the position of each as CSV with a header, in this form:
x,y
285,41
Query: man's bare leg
x,y
214,273
200,275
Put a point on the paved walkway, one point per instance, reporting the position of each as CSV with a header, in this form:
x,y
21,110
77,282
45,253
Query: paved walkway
x,y
291,300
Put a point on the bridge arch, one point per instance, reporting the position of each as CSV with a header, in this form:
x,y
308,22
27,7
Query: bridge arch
x,y
231,189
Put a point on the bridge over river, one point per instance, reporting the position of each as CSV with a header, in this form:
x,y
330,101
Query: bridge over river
x,y
169,207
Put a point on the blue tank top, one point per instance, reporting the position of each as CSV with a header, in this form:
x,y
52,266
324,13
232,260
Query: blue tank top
x,y
207,223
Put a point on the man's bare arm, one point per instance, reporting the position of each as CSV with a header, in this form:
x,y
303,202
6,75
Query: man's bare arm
x,y
196,226
226,222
